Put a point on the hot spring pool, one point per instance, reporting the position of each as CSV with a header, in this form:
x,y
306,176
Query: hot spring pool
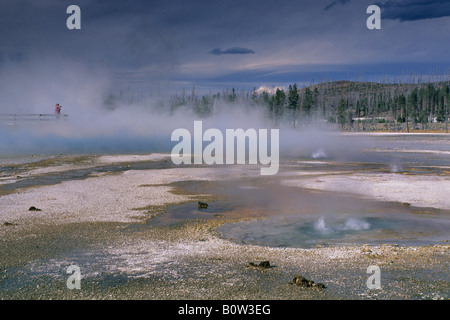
x,y
338,229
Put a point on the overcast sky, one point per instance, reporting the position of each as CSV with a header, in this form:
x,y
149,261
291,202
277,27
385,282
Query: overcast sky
x,y
214,44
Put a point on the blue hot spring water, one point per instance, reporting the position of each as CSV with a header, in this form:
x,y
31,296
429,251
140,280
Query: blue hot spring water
x,y
339,229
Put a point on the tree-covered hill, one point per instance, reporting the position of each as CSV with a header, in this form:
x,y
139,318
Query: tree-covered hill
x,y
348,105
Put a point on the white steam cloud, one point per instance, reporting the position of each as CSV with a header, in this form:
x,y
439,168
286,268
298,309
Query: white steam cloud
x,y
36,85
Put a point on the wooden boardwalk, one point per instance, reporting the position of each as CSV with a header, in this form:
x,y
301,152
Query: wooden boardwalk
x,y
13,119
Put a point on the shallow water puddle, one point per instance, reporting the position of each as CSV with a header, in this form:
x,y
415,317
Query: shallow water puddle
x,y
176,214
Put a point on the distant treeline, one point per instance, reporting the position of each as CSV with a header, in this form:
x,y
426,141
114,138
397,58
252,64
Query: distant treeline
x,y
349,105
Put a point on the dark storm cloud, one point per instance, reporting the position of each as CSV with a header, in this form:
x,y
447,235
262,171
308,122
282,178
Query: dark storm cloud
x,y
154,41
332,4
407,10
233,50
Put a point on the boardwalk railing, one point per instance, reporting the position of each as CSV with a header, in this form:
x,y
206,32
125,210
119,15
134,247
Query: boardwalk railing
x,y
15,118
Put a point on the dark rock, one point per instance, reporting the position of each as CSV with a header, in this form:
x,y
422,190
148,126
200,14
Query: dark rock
x,y
33,208
305,283
300,281
202,205
406,205
261,265
320,285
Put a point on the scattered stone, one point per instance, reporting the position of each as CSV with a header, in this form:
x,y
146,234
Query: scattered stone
x,y
261,265
202,205
33,208
406,205
305,283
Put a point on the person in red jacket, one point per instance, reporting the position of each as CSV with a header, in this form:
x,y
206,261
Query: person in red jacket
x,y
58,110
